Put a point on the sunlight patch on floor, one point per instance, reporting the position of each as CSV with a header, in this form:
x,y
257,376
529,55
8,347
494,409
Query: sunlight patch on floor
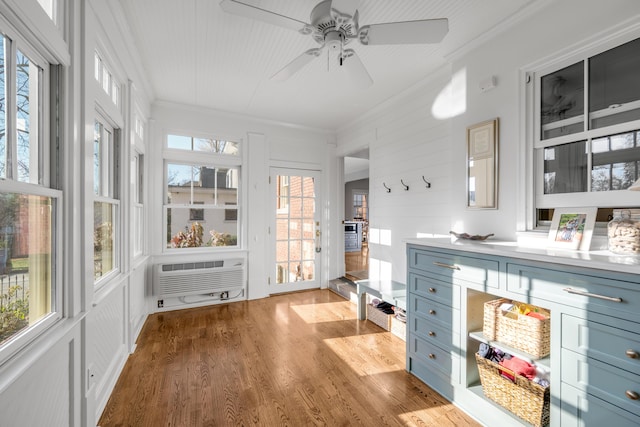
x,y
422,416
343,347
325,312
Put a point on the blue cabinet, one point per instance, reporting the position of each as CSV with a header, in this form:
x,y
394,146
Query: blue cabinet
x,y
595,326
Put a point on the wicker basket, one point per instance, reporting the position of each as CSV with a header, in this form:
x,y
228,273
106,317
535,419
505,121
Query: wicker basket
x,y
525,333
399,328
523,397
379,318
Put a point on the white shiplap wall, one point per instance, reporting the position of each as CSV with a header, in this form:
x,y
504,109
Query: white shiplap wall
x,y
406,142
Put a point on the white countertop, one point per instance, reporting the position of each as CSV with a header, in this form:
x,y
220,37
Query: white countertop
x,y
603,260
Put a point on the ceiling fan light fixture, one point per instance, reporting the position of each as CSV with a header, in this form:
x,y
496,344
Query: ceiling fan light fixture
x,y
334,40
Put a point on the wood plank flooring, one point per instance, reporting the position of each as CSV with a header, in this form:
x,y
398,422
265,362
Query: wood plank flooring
x,y
296,359
357,263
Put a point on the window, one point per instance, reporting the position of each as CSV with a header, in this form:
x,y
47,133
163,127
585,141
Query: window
x,y
209,145
106,204
360,206
230,214
203,172
196,214
137,185
283,189
105,78
137,181
588,130
30,295
49,7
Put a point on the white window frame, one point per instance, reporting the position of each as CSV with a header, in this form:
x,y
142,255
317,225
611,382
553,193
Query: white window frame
x,y
207,159
138,185
536,199
111,174
10,184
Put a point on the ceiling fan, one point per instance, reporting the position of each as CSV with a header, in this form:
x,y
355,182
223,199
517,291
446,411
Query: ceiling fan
x,y
334,24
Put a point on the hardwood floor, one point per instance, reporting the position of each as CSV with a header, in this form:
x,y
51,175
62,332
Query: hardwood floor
x,y
357,263
289,360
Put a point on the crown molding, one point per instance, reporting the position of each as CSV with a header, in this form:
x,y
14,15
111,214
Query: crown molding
x,y
508,23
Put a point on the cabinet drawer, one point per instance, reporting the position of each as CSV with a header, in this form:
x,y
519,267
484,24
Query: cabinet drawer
x,y
434,332
435,312
607,295
456,268
438,381
601,380
608,344
580,410
434,289
431,355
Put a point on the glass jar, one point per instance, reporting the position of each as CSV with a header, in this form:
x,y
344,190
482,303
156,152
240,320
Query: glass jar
x,y
623,233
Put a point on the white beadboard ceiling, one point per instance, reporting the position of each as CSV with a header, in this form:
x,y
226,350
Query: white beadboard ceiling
x,y
194,53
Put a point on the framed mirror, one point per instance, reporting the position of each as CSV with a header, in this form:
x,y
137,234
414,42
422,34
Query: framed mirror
x,y
482,165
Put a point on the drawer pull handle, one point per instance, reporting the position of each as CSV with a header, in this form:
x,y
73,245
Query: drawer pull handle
x,y
432,290
432,312
630,394
432,334
433,356
442,264
632,354
589,294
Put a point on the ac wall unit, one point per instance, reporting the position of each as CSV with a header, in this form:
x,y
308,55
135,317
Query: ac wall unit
x,y
198,278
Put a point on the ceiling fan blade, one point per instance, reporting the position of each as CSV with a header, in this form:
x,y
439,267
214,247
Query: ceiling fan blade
x,y
355,69
409,32
248,11
345,7
297,64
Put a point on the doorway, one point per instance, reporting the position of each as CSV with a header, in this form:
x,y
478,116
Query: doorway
x,y
356,215
295,235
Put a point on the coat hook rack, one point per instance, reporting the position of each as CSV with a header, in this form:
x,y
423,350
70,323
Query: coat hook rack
x,y
426,182
385,186
406,187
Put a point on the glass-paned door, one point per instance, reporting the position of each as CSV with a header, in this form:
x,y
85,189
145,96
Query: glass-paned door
x,y
295,234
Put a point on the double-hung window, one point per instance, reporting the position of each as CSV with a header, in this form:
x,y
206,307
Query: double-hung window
x,y
106,205
30,292
587,131
107,183
137,187
202,182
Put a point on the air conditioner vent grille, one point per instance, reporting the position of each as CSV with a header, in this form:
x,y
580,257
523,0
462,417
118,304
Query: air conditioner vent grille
x,y
192,265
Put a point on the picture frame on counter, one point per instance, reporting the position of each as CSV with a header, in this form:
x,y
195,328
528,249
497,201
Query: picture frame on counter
x,y
572,228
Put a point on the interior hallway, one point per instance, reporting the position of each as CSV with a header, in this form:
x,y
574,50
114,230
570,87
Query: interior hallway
x,y
357,263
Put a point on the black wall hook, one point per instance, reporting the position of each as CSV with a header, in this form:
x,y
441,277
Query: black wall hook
x,y
406,187
426,182
385,186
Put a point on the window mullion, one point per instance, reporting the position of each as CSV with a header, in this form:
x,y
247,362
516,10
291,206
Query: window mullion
x,y
215,186
10,108
589,146
586,126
